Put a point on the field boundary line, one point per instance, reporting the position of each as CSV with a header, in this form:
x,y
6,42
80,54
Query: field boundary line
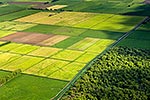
x,y
86,67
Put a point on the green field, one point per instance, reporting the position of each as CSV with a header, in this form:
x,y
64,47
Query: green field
x,y
15,15
50,29
68,42
138,39
27,87
14,26
54,45
10,9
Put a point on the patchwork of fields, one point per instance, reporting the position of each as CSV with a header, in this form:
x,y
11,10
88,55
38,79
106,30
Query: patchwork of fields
x,y
52,47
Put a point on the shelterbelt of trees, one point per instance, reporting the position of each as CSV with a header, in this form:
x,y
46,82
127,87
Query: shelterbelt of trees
x,y
121,74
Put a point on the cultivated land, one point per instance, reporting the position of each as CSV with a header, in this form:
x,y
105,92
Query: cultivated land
x,y
52,46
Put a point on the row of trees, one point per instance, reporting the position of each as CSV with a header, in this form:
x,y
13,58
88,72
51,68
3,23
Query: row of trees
x,y
10,76
122,73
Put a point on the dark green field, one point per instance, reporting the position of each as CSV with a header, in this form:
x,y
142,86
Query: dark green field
x,y
139,38
27,87
68,49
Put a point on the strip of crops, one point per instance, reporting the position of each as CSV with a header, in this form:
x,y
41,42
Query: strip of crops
x,y
122,73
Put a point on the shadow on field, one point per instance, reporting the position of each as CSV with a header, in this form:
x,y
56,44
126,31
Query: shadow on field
x,y
143,10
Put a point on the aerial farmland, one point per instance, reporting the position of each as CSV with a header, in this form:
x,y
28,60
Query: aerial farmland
x,y
74,49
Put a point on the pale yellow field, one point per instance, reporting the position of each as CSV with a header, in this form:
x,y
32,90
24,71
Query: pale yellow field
x,y
63,18
35,17
55,7
53,40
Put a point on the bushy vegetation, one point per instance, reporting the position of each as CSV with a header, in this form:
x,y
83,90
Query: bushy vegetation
x,y
9,77
120,74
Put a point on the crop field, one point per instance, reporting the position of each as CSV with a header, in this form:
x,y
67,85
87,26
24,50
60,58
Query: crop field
x,y
49,61
34,38
64,18
51,46
56,7
5,33
16,15
117,23
139,39
10,9
35,87
131,7
14,26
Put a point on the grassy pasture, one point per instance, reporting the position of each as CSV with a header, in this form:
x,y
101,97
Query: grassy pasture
x,y
27,87
138,39
45,29
10,9
102,34
135,43
15,15
3,73
140,35
131,7
15,26
52,29
145,27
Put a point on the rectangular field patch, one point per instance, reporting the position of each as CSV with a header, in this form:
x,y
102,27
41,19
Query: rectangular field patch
x,y
10,46
35,17
69,55
22,63
53,66
85,58
44,51
6,58
83,44
5,33
100,45
24,49
15,26
28,38
56,7
53,40
67,72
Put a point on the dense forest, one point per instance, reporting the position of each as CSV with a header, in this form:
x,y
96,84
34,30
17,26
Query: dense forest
x,y
121,74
